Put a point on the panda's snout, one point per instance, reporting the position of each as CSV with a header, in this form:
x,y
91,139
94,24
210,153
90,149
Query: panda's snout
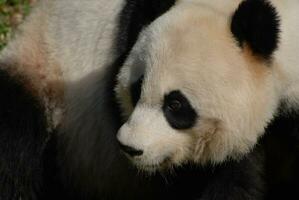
x,y
124,138
130,150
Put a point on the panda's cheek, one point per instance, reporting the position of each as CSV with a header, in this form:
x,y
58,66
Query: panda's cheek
x,y
178,147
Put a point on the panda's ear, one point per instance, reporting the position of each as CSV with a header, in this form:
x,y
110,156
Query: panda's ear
x,y
256,24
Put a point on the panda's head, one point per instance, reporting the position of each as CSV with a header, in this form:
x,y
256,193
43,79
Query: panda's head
x,y
198,85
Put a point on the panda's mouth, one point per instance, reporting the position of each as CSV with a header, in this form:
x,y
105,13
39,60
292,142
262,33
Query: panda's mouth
x,y
151,168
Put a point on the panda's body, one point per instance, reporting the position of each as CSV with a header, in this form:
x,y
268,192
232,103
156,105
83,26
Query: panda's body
x,y
65,60
63,50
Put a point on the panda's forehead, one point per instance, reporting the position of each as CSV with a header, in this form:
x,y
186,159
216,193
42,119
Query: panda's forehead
x,y
172,59
188,50
158,83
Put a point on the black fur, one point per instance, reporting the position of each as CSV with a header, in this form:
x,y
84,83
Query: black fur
x,y
136,90
238,180
282,155
256,24
178,111
232,180
23,136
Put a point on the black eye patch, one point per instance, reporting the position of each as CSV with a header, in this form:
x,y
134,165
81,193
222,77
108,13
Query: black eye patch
x,y
178,111
135,90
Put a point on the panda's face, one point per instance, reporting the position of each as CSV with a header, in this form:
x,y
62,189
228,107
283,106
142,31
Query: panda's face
x,y
189,93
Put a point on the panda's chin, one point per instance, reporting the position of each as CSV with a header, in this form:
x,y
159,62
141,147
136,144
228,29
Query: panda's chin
x,y
151,168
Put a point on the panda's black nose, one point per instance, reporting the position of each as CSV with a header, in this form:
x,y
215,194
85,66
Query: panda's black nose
x,y
130,150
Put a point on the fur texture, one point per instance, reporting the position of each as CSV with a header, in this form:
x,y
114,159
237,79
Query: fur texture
x,y
64,61
88,67
235,92
24,134
256,23
231,91
281,144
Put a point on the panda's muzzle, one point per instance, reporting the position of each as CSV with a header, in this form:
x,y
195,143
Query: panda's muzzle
x,y
130,150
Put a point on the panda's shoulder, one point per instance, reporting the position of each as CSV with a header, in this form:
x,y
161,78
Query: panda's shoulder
x,y
23,134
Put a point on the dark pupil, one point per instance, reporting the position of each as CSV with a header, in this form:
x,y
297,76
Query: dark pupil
x,y
175,105
178,111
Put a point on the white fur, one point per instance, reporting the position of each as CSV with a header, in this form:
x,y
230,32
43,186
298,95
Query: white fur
x,y
61,43
286,58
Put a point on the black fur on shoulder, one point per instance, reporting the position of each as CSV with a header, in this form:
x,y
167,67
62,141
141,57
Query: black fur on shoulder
x,y
256,23
281,143
23,135
238,179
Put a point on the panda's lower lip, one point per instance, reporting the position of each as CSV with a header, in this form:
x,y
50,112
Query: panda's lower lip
x,y
164,164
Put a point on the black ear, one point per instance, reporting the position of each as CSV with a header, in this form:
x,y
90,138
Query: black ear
x,y
256,24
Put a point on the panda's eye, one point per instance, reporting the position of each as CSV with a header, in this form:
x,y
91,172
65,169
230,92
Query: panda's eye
x,y
178,111
174,105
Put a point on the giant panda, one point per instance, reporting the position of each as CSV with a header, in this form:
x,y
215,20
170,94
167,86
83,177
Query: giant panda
x,y
59,115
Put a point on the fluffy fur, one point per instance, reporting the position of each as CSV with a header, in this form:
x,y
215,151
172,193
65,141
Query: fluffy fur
x,y
232,75
60,70
175,53
69,76
256,23
23,133
282,155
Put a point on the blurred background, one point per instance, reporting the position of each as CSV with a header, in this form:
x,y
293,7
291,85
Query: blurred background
x,y
12,13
